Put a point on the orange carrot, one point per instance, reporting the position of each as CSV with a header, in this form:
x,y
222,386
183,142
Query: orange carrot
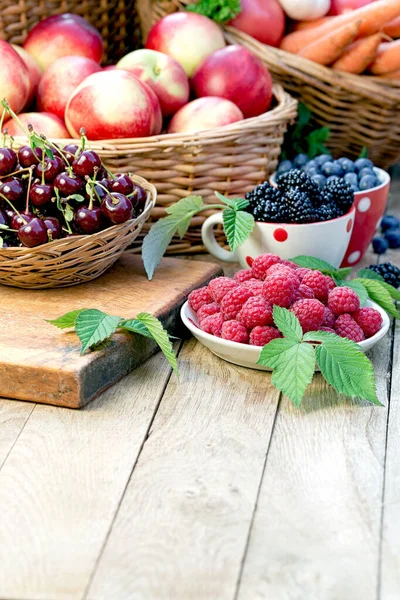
x,y
302,25
360,54
394,76
392,28
329,47
387,58
372,16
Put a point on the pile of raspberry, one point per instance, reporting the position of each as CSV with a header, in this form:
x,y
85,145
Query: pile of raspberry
x,y
241,309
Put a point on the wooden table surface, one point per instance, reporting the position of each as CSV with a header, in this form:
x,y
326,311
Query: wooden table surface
x,y
211,488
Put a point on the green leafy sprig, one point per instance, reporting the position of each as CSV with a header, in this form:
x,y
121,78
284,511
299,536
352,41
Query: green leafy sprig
x,y
220,11
293,359
94,327
304,138
237,224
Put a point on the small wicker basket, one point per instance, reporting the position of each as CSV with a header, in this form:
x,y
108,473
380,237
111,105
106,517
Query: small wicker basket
x,y
74,260
361,111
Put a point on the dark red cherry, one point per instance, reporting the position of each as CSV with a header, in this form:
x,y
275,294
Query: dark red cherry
x,y
69,152
88,220
28,157
52,167
3,218
68,184
9,212
85,163
18,221
117,208
41,194
122,184
138,198
13,189
53,226
8,161
33,233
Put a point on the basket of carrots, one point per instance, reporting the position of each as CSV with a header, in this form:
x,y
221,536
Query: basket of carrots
x,y
345,68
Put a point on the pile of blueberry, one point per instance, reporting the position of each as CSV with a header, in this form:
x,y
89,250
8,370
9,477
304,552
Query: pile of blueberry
x,y
390,228
298,199
360,174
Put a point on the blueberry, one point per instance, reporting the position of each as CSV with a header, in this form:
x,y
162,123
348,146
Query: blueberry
x,y
320,180
322,159
300,161
354,187
368,182
312,164
393,238
389,222
347,165
284,166
312,172
332,178
363,163
380,245
365,172
351,178
331,168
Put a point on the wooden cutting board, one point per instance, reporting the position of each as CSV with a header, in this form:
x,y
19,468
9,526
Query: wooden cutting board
x,y
41,363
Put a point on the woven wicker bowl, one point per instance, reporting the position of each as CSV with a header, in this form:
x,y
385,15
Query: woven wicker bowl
x,y
73,260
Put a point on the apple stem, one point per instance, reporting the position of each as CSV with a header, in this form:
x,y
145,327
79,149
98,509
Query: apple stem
x,y
28,192
13,207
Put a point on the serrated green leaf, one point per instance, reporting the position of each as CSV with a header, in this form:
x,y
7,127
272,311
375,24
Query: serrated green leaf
x,y
288,324
395,294
67,320
68,213
379,294
135,326
346,368
315,141
358,287
187,205
369,274
238,226
49,153
160,336
94,326
271,351
343,272
220,11
76,197
236,203
311,262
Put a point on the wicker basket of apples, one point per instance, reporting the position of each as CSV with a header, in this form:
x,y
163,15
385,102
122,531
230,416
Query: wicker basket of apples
x,y
139,115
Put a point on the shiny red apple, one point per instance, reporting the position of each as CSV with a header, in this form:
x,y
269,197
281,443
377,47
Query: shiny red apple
x,y
14,78
264,20
34,70
204,113
42,122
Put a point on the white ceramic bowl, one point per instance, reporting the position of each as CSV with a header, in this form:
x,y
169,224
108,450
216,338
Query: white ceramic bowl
x,y
247,356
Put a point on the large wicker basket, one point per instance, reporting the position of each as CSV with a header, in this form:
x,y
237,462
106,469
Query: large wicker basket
x,y
73,260
361,111
117,21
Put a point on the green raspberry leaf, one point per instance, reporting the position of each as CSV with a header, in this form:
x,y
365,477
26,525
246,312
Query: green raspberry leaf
x,y
395,293
94,326
185,206
67,320
344,366
238,226
159,335
379,294
288,324
135,326
237,203
358,287
310,262
369,274
293,364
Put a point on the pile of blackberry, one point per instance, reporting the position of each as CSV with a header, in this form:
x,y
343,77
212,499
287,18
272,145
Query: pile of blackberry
x,y
389,272
298,199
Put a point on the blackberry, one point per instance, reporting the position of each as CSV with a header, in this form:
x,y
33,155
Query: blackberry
x,y
341,193
389,272
264,191
328,211
300,207
299,180
267,204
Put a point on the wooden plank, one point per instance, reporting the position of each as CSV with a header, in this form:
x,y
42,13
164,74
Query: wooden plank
x,y
183,524
35,351
62,484
316,529
13,417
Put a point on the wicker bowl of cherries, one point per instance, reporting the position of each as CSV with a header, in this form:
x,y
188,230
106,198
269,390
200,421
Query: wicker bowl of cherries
x,y
64,217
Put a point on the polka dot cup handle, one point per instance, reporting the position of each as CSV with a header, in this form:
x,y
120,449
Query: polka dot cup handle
x,y
208,237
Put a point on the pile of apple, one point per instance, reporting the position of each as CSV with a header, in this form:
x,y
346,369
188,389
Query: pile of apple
x,y
186,79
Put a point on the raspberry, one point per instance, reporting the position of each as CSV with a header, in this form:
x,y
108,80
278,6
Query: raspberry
x,y
243,275
304,292
369,319
259,336
206,310
279,269
343,300
329,318
199,297
289,263
233,301
346,326
301,272
254,285
310,314
317,282
256,311
235,332
330,283
212,324
262,263
328,329
280,290
220,286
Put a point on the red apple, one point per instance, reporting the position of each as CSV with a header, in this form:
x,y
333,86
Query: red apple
x,y
204,113
14,78
338,7
60,80
34,71
158,117
264,20
163,74
109,68
236,74
111,104
42,122
63,35
187,37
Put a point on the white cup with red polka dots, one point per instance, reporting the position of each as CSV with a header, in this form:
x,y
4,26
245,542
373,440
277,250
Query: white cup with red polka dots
x,y
327,240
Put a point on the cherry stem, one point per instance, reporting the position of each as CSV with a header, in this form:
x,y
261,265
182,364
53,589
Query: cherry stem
x,y
8,108
110,173
93,182
5,132
64,156
16,172
28,192
43,167
82,132
13,207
